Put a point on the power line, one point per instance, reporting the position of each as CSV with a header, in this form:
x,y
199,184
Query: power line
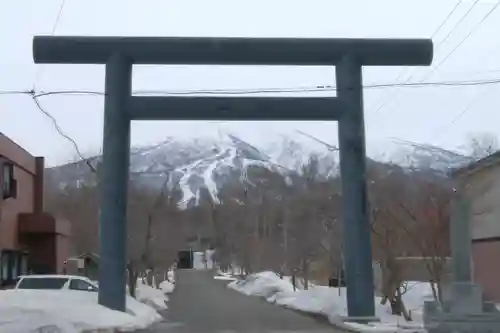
x,y
326,144
462,113
462,41
61,7
55,124
38,72
15,92
457,24
62,133
438,29
471,32
35,96
320,88
479,95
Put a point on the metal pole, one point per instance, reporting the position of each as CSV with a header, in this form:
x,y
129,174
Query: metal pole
x,y
357,235
114,184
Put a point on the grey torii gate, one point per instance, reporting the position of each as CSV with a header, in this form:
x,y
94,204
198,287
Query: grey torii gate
x,y
120,53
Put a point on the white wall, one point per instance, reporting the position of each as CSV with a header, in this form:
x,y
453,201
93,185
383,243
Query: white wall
x,y
199,260
483,189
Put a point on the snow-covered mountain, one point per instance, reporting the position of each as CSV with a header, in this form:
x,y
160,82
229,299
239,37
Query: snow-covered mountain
x,y
207,163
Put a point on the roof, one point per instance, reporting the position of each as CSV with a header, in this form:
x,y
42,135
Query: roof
x,y
478,165
13,152
92,255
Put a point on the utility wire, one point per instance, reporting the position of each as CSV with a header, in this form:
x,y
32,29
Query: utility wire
x,y
62,133
35,96
462,41
436,31
326,144
471,32
478,95
462,113
457,24
320,88
38,73
61,7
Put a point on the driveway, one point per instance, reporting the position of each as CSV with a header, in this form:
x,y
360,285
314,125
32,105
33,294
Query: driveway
x,y
201,304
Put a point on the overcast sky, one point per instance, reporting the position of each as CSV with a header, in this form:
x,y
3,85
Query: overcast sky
x,y
430,115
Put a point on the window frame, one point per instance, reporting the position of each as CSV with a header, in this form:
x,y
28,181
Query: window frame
x,y
63,281
9,184
70,285
13,263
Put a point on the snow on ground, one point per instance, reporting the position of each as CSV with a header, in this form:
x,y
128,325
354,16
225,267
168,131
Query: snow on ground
x,y
331,302
167,287
151,296
224,276
70,311
25,311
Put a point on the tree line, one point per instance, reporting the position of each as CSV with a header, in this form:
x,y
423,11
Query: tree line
x,y
288,223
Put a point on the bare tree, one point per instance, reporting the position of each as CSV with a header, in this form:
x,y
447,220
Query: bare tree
x,y
428,209
80,207
389,239
479,145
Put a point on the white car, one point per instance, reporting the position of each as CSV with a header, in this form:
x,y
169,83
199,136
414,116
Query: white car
x,y
56,282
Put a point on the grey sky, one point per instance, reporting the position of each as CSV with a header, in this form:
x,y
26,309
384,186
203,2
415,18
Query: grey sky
x,y
416,114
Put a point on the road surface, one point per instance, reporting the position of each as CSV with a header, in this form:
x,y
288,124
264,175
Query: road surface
x,y
201,304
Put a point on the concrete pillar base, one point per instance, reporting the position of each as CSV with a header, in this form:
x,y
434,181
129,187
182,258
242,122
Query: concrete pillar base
x,y
463,311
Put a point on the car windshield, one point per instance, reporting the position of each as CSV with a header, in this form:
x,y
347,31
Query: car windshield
x,y
42,283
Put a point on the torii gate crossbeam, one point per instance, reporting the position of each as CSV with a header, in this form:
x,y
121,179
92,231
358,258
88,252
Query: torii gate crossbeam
x,y
347,55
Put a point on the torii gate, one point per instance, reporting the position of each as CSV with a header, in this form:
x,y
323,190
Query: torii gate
x,y
347,55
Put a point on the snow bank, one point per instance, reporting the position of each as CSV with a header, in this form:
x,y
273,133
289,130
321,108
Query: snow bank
x,y
225,278
331,302
151,296
14,319
69,311
167,287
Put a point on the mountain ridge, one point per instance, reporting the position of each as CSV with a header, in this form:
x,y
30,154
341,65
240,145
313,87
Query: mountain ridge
x,y
207,163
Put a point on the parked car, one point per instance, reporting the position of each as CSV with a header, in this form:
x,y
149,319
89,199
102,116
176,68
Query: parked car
x,y
56,282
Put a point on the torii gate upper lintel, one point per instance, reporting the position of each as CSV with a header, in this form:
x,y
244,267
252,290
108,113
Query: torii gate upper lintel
x,y
347,55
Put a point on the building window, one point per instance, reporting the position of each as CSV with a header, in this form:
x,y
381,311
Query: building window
x,y
9,184
13,264
5,267
24,264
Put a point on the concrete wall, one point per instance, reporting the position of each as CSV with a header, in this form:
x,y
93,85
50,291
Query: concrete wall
x,y
486,266
200,257
483,190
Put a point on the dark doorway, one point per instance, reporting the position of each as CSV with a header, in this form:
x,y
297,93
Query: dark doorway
x,y
185,259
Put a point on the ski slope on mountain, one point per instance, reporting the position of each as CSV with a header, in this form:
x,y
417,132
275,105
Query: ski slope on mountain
x,y
205,164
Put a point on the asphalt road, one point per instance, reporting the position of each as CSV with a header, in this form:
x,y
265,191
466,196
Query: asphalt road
x,y
201,304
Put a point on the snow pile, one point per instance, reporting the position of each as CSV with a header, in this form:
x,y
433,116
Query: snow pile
x,y
15,319
224,276
331,302
69,311
151,296
167,287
